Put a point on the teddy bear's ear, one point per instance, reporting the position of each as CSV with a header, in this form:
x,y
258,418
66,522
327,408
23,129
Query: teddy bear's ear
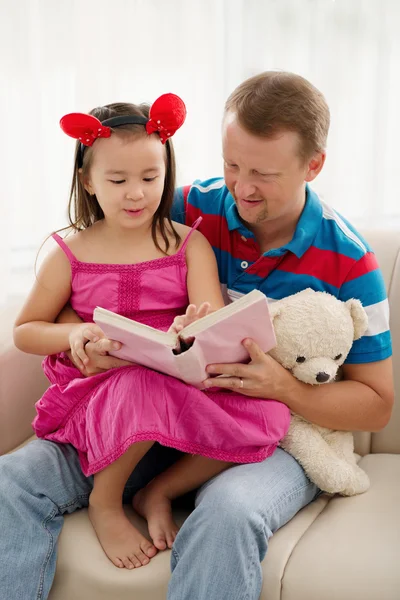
x,y
274,309
359,316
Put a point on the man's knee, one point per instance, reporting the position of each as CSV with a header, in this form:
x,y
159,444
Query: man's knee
x,y
263,496
43,474
225,522
30,465
229,505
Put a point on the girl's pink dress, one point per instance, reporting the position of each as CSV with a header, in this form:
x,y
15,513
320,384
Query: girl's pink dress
x,y
101,416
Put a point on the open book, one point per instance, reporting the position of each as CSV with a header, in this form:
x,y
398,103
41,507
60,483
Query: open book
x,y
216,338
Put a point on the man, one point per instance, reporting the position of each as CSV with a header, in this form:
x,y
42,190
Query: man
x,y
269,231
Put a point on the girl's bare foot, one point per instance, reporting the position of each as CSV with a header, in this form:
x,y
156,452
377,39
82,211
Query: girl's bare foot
x,y
122,542
156,509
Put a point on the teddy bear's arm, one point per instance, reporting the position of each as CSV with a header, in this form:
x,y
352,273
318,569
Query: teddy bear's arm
x,y
321,463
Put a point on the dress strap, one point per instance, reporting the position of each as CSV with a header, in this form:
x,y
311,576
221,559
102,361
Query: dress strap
x,y
64,247
193,228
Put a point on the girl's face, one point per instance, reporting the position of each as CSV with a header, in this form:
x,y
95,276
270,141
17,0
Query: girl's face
x,y
127,175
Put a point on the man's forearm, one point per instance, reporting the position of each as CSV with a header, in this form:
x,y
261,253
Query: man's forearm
x,y
68,315
342,405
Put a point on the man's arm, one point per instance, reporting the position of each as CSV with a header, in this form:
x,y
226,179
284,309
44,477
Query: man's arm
x,y
363,401
96,352
68,315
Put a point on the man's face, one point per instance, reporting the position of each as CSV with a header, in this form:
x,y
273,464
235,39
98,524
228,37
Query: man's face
x,y
266,177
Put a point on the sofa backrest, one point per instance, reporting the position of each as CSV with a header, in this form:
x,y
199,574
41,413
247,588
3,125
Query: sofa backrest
x,y
386,245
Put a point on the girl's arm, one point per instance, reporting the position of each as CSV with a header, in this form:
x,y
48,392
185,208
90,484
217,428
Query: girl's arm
x,y
203,285
35,330
202,279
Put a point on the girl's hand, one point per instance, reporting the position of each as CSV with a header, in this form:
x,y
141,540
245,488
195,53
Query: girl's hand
x,y
192,314
78,338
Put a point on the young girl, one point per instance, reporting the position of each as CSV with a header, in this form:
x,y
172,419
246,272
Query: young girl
x,y
127,256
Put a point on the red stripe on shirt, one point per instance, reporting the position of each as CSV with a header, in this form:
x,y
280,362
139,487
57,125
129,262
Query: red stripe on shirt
x,y
365,265
326,265
264,265
215,229
185,191
192,213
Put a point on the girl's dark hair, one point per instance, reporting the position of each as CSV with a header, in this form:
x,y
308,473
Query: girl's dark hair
x,y
84,209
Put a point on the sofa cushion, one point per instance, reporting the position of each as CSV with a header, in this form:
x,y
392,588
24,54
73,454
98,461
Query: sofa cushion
x,y
282,545
85,573
336,548
351,551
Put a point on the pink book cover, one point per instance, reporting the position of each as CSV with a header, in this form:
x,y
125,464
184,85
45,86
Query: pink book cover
x,y
216,338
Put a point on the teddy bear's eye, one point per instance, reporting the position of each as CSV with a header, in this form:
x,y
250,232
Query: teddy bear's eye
x,y
301,359
338,357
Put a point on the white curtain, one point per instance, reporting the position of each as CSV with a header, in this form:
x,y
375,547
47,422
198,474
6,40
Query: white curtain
x,y
59,57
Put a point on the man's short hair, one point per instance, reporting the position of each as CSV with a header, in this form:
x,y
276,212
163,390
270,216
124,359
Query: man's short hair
x,y
276,101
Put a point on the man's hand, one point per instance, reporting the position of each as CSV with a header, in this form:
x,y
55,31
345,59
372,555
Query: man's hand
x,y
362,401
263,377
78,338
98,359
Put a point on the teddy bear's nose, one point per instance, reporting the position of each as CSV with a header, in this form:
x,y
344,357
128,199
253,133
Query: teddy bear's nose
x,y
322,377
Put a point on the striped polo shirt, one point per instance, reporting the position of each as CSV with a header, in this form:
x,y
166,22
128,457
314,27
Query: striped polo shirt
x,y
326,254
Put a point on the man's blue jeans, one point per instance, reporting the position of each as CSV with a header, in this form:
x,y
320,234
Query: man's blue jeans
x,y
218,550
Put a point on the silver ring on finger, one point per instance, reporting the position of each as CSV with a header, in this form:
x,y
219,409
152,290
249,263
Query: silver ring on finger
x,y
241,383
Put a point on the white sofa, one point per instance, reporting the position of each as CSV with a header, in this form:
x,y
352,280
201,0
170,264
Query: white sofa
x,y
335,549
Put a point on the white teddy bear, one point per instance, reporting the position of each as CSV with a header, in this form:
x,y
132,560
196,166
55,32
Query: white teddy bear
x,y
314,333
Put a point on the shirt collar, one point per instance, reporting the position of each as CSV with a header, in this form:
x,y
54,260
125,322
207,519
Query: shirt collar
x,y
306,228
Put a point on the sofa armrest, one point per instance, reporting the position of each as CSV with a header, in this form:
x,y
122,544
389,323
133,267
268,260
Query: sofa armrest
x,y
22,382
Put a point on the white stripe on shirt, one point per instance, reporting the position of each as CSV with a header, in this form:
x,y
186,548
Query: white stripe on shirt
x,y
233,295
378,317
213,186
378,314
329,213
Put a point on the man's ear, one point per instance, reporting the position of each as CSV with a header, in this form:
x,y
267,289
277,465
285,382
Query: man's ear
x,y
86,183
315,165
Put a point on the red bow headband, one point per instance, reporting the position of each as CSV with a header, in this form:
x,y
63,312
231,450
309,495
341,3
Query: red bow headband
x,y
167,114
